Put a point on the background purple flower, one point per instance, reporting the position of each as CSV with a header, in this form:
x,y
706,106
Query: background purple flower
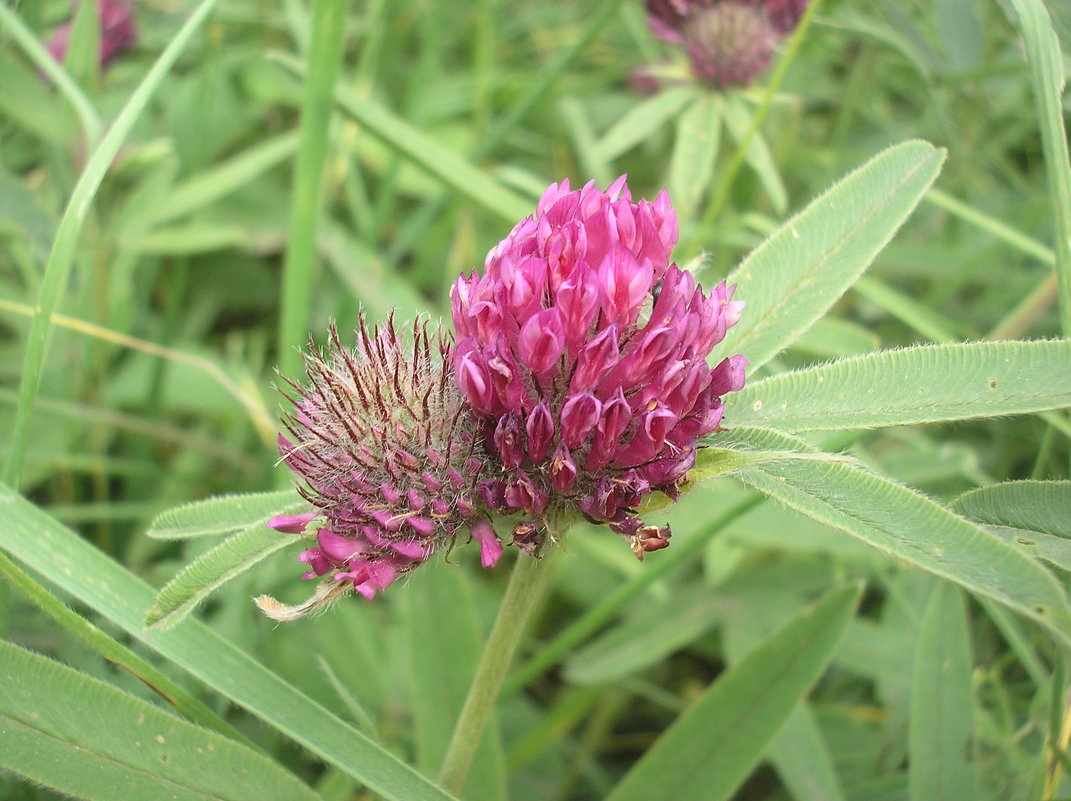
x,y
728,42
583,350
117,32
384,449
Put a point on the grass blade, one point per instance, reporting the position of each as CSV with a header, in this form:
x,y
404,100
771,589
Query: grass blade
x,y
1047,74
941,731
115,652
427,153
41,59
445,647
299,263
711,748
96,580
61,257
132,751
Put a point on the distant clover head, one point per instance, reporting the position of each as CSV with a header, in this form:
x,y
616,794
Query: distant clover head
x,y
385,452
582,352
728,42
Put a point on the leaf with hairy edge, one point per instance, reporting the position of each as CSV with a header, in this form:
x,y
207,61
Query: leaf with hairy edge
x,y
713,746
914,385
120,748
711,462
222,514
1030,505
1034,516
941,730
96,580
210,571
796,275
910,526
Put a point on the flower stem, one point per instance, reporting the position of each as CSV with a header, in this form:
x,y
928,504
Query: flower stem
x,y
526,585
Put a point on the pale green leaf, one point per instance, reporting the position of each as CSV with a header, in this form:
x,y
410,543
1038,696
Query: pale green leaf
x,y
910,526
642,120
941,729
1054,550
210,571
1030,505
221,514
832,337
423,150
794,277
758,157
105,586
1034,516
695,150
1049,80
713,746
115,747
802,758
915,385
206,187
647,638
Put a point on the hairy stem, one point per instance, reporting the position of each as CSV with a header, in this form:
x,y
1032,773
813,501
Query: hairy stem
x,y
526,585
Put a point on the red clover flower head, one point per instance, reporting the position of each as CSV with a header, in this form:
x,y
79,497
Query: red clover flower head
x,y
582,352
728,42
384,448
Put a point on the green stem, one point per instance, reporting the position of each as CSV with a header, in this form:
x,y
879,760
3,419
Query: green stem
x,y
590,622
526,585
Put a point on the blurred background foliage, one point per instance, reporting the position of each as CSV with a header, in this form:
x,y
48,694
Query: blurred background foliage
x,y
157,387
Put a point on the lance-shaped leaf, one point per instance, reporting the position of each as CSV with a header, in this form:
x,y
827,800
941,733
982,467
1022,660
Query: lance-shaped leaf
x,y
102,584
210,571
793,278
914,385
912,527
642,120
221,514
712,747
941,734
86,738
1034,516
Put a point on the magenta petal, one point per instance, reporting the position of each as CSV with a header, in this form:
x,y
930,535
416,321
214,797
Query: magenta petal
x,y
540,430
579,415
542,341
335,547
475,383
490,545
291,524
